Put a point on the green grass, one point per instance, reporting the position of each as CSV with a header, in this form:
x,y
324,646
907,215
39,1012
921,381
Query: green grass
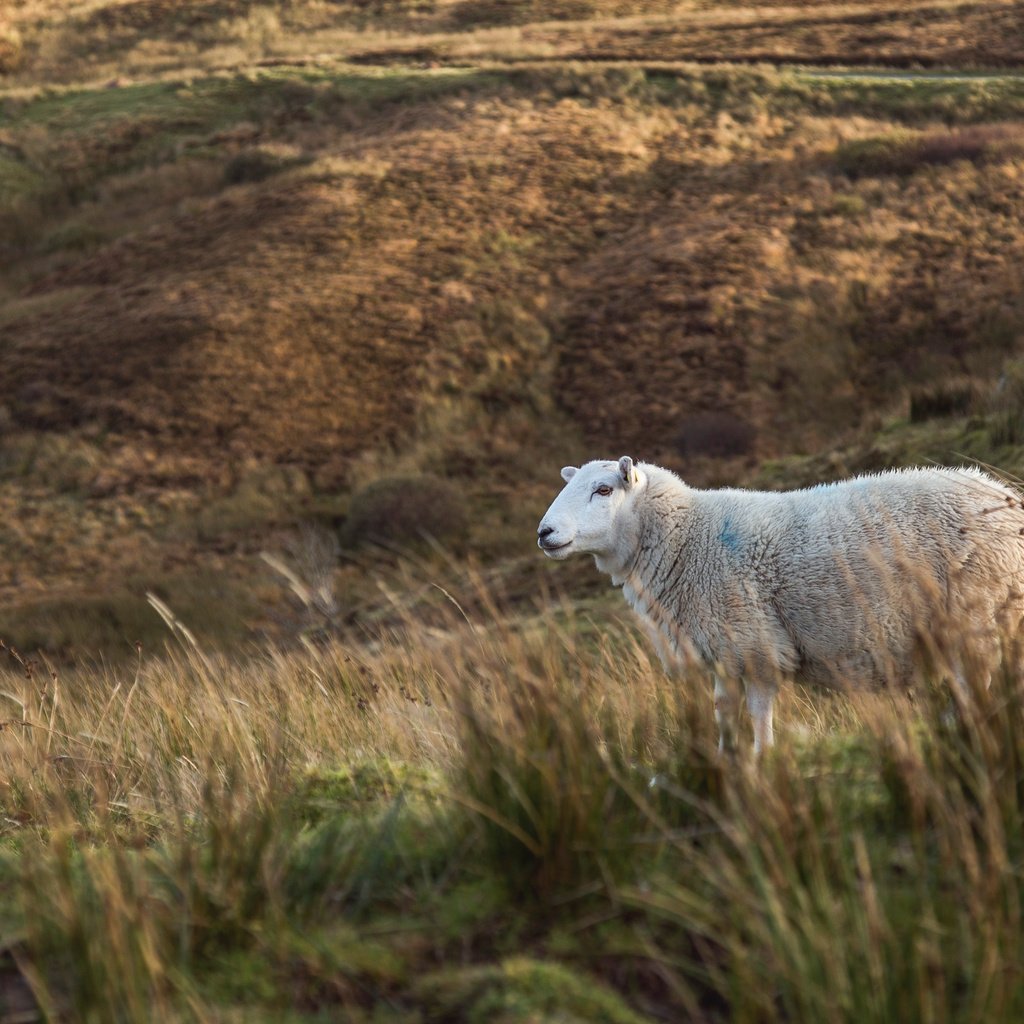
x,y
214,99
911,99
165,108
520,990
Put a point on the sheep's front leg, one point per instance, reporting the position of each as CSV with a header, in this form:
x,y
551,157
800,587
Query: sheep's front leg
x,y
727,706
760,700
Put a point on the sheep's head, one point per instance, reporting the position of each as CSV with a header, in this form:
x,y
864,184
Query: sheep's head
x,y
585,517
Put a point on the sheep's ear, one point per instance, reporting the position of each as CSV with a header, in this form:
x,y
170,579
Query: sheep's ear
x,y
627,472
568,472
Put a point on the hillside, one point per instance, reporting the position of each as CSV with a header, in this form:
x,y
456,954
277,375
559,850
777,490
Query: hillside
x,y
258,257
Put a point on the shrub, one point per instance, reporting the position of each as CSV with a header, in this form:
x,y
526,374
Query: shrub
x,y
74,236
849,205
901,153
74,626
716,435
954,397
894,153
478,13
62,463
260,163
977,143
402,511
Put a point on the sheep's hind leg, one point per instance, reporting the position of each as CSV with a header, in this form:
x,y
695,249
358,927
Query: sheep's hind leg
x,y
760,701
727,715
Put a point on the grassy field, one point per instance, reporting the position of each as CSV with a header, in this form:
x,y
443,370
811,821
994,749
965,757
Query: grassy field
x,y
285,285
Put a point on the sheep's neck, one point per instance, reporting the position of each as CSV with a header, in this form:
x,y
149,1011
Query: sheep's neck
x,y
619,562
626,562
647,584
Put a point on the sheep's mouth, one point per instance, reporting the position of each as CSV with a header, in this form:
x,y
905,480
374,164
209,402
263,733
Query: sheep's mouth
x,y
552,547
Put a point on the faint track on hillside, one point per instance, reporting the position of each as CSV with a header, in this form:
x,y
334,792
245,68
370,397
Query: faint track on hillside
x,y
900,75
824,70
908,68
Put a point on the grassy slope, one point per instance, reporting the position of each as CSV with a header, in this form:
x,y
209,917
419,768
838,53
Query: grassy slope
x,y
202,267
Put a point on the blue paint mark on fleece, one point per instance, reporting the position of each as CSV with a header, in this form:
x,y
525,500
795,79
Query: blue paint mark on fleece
x,y
728,536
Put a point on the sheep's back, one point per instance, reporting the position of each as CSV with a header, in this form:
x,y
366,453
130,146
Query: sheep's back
x,y
861,573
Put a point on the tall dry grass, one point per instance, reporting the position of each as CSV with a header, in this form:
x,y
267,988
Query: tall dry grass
x,y
364,821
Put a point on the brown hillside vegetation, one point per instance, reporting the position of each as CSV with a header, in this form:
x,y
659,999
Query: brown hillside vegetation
x,y
231,298
61,37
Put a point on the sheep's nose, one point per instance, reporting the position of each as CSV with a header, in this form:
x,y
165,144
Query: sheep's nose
x,y
544,531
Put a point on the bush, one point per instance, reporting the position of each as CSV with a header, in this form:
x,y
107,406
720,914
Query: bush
x,y
74,236
479,13
78,626
955,397
903,152
403,511
482,13
64,464
259,163
716,435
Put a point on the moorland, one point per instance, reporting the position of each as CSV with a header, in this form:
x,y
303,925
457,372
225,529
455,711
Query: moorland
x,y
302,307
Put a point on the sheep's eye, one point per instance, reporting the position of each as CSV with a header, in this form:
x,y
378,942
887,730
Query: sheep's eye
x,y
604,490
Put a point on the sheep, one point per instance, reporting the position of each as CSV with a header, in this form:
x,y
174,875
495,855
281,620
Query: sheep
x,y
844,584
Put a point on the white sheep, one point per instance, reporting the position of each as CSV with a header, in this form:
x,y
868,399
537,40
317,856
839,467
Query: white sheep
x,y
841,584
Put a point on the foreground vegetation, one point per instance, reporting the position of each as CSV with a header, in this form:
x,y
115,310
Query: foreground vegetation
x,y
499,820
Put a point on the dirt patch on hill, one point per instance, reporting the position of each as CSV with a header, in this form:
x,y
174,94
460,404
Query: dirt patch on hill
x,y
164,344
652,335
